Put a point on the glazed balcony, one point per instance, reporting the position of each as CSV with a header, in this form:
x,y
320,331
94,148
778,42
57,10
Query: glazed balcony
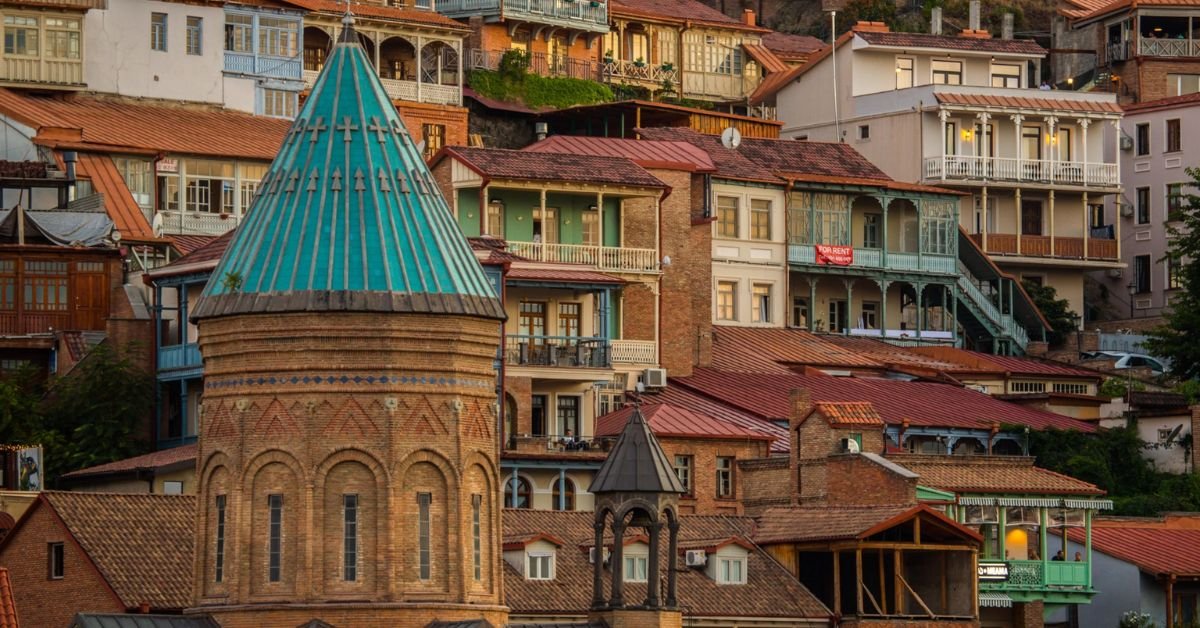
x,y
610,258
1005,169
557,351
586,15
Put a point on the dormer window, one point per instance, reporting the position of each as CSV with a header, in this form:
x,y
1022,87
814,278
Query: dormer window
x,y
731,570
636,568
539,566
728,562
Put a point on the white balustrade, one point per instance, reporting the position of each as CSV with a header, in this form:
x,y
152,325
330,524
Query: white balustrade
x,y
641,352
602,257
197,223
971,167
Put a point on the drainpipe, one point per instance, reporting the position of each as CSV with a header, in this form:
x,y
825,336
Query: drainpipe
x,y
69,158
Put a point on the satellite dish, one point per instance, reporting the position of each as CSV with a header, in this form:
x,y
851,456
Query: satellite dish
x,y
1175,433
731,138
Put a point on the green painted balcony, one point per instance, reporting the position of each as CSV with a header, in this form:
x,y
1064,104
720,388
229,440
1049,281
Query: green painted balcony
x,y
879,259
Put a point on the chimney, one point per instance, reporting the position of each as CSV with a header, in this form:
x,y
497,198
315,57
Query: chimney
x,y
144,608
1006,31
802,405
935,21
749,18
974,15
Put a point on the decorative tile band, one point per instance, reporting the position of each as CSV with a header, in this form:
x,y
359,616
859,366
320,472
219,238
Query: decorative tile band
x,y
211,383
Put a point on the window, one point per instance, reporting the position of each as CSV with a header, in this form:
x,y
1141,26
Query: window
x,y
139,178
568,319
563,499
760,303
870,315
946,72
1095,215
639,46
727,217
435,138
1164,434
1174,270
279,103
56,561
839,315
522,498
1143,206
1175,201
46,286
727,300
495,219
423,4
1143,139
158,31
904,72
636,568
62,38
275,538
760,219
20,35
799,312
951,138
239,33
1072,389
539,566
424,501
731,570
172,488
871,224
1141,274
219,559
864,131
1174,141
1006,75
724,477
568,414
591,226
476,535
278,38
683,470
350,537
195,27
1182,84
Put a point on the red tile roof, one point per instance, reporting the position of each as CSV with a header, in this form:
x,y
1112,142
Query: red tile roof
x,y
528,165
730,164
687,399
974,361
771,350
152,460
928,404
991,474
1171,102
949,42
832,523
790,46
8,607
126,215
200,260
678,11
1028,102
185,244
766,58
1102,8
667,420
564,275
378,11
1156,550
770,590
108,124
665,155
849,413
496,250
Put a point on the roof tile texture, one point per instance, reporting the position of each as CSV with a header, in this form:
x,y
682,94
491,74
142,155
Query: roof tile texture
x,y
668,420
991,474
1028,102
824,524
949,42
520,164
850,413
686,10
8,608
152,460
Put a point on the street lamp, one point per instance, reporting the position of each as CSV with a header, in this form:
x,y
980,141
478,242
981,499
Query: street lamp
x,y
1132,291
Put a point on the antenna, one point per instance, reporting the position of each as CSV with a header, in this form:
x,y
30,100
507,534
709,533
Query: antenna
x,y
731,138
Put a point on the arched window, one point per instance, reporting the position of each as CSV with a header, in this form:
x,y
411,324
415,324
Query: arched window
x,y
563,500
523,493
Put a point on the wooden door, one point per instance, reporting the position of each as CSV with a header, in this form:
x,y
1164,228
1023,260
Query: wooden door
x,y
89,292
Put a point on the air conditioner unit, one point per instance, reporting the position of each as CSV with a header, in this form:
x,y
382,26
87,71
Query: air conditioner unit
x,y
1126,210
1126,142
695,558
1115,273
592,555
654,378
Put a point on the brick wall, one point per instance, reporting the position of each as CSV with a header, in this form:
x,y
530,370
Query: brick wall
x,y
636,618
415,115
400,615
687,282
1152,76
766,482
44,602
854,480
906,623
704,453
1028,615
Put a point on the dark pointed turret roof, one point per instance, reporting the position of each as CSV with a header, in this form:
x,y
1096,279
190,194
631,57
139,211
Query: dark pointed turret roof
x,y
636,464
348,217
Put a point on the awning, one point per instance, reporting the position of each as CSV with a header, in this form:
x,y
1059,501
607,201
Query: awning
x,y
1038,502
1094,504
994,600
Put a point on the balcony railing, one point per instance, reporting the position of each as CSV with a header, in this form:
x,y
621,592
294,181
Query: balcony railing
x,y
973,168
1003,324
641,71
274,67
1066,247
873,258
642,352
583,14
1150,47
410,91
174,357
197,223
540,63
557,351
41,70
1116,51
614,258
1036,575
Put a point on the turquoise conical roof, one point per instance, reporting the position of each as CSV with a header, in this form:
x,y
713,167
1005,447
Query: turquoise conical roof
x,y
348,217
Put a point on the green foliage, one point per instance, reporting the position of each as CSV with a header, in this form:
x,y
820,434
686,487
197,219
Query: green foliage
x,y
89,416
514,65
1190,389
1115,387
537,91
1057,311
1135,619
1113,460
1177,339
232,281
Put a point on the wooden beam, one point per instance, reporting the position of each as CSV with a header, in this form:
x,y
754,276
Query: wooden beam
x,y
915,596
882,583
896,586
837,583
858,574
862,587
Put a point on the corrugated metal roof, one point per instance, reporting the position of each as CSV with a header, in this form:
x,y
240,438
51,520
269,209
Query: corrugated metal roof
x,y
502,163
126,215
348,217
921,403
668,420
765,57
760,349
1155,550
1028,102
667,155
560,274
636,464
687,399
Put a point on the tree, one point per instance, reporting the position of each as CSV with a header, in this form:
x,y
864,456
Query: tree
x,y
1177,340
1057,311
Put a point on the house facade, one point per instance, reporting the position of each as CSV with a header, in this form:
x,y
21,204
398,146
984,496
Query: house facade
x,y
46,46
1036,166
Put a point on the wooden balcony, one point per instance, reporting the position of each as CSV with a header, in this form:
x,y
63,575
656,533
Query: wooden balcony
x,y
874,258
611,258
39,71
540,63
1006,169
1150,47
1064,247
587,15
179,357
411,91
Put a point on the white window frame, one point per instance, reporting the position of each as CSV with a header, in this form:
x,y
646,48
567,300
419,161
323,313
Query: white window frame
x,y
912,71
530,559
723,563
961,70
641,563
992,74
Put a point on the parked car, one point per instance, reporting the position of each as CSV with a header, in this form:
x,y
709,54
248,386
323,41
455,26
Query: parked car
x,y
1124,360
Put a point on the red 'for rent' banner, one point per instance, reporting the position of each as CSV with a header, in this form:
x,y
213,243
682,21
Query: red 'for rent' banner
x,y
835,255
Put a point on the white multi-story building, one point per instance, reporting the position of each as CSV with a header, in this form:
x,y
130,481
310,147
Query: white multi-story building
x,y
970,113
